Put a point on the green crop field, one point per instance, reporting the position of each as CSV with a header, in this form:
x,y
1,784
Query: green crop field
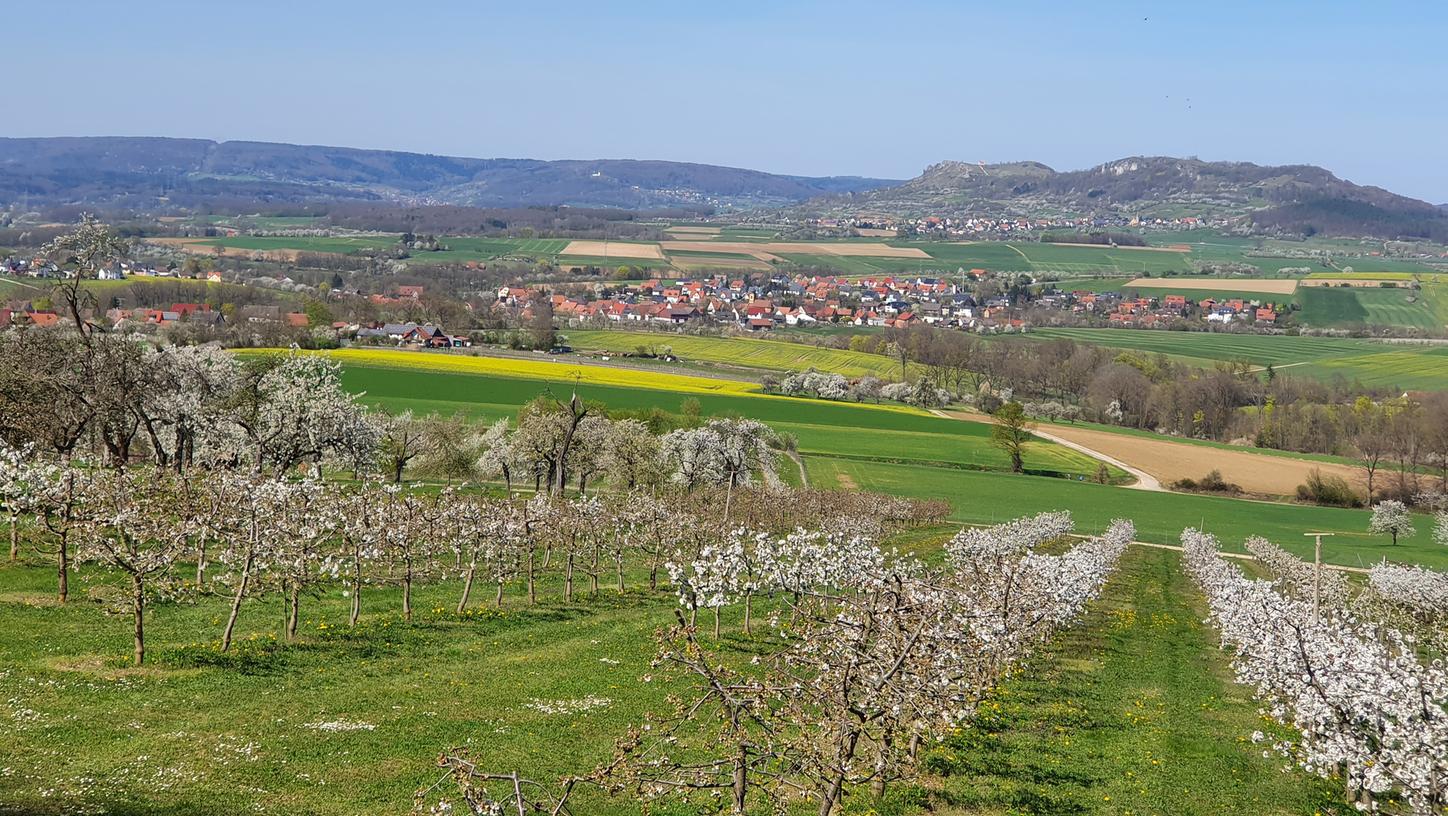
x,y
919,455
771,355
338,244
1341,307
609,263
820,426
1372,363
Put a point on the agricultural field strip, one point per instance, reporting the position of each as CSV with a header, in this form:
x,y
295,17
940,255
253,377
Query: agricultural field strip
x,y
863,249
862,432
982,493
612,249
1371,362
1266,287
1169,460
766,354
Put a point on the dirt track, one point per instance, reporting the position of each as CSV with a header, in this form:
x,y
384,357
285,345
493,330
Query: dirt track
x,y
1165,460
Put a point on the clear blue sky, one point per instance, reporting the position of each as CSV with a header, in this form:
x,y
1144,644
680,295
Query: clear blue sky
x,y
813,88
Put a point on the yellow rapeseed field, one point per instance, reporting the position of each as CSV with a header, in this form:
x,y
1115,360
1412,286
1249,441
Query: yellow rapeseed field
x,y
554,370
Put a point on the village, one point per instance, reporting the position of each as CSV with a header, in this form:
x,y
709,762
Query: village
x,y
974,300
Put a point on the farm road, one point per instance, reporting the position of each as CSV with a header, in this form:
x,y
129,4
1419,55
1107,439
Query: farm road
x,y
1144,480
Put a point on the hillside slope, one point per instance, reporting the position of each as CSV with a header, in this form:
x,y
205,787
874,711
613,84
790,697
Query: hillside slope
x,y
139,170
1298,199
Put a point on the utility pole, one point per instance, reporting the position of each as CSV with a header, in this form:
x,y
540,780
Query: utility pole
x,y
1317,576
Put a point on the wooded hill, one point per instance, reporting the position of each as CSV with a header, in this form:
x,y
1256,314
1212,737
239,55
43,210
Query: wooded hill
x,y
144,171
1297,199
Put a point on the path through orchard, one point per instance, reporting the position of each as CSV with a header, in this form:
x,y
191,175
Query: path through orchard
x,y
1132,712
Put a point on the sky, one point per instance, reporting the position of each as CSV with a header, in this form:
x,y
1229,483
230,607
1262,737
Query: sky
x,y
810,88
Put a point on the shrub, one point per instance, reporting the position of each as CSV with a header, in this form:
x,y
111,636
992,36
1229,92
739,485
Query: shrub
x,y
1210,483
1328,490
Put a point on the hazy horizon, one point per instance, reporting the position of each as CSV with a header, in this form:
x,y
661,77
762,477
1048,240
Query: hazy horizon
x,y
807,89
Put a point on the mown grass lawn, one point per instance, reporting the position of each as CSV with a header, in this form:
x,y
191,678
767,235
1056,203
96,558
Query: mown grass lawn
x,y
1131,712
81,736
349,722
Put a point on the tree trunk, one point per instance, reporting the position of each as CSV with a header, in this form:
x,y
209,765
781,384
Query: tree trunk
x,y
748,604
593,573
138,610
532,585
14,536
654,576
236,605
294,611
201,560
618,564
716,623
877,785
407,596
741,782
467,588
498,601
356,610
63,568
568,578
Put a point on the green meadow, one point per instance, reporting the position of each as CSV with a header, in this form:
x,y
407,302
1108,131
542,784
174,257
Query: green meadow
x,y
1373,363
985,498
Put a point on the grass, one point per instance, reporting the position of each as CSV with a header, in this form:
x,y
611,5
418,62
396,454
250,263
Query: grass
x,y
1372,363
339,244
1355,307
1129,710
486,388
984,498
770,355
187,737
890,449
1133,711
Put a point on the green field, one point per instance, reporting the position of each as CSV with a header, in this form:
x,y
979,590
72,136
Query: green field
x,y
338,244
771,355
1372,363
822,427
1131,711
265,222
1356,307
919,455
983,498
945,257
